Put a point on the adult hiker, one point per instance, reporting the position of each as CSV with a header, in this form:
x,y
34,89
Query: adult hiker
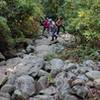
x,y
60,24
53,30
46,25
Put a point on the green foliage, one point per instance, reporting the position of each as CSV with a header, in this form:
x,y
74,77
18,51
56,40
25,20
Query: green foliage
x,y
4,28
49,57
50,79
19,19
81,52
5,31
82,18
51,7
18,13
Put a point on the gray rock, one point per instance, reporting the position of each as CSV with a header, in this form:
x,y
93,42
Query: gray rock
x,y
71,75
70,97
2,63
3,79
8,88
4,96
93,75
42,83
57,48
11,79
82,77
83,70
43,97
60,78
70,66
57,64
47,66
68,40
33,61
78,82
43,50
32,98
80,91
42,73
89,63
63,88
97,83
26,85
21,69
98,64
68,61
17,95
49,91
30,49
34,71
13,62
29,64
61,82
42,41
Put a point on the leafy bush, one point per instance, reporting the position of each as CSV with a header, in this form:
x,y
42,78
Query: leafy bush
x,y
49,57
5,31
80,53
82,18
18,13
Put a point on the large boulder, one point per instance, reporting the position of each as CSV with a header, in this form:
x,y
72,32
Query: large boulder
x,y
89,63
70,97
11,79
97,83
13,62
93,75
4,96
17,95
49,91
56,66
26,85
70,66
68,40
33,61
8,88
42,83
29,65
30,49
3,79
43,50
80,91
43,41
43,97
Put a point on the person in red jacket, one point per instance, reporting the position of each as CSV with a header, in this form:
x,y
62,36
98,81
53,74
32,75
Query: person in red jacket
x,y
45,25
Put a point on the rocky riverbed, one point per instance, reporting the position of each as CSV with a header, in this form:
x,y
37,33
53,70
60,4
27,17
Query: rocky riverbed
x,y
30,76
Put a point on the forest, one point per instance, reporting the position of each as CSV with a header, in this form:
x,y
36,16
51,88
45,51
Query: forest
x,y
20,19
52,64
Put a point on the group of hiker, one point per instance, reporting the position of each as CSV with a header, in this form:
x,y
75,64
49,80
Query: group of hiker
x,y
53,27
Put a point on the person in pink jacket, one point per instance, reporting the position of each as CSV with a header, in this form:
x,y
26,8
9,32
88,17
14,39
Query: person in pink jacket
x,y
46,25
